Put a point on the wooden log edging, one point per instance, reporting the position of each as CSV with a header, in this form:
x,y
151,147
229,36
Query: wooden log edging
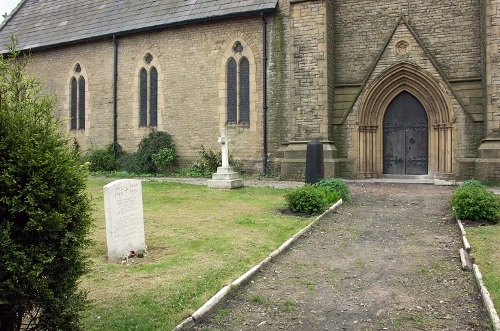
x,y
215,300
485,294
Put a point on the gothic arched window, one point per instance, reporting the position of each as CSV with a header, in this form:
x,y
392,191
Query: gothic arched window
x,y
238,91
77,100
148,95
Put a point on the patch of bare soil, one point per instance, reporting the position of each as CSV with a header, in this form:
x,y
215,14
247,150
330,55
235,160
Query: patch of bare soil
x,y
387,261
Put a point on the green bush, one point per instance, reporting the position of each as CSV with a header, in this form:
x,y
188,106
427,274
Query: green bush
x,y
336,185
44,211
154,155
331,197
129,163
116,150
207,164
310,200
211,160
473,183
100,160
164,159
153,144
473,201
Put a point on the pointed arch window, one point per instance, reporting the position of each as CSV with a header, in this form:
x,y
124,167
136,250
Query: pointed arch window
x,y
143,103
78,101
153,99
232,92
244,91
148,94
238,88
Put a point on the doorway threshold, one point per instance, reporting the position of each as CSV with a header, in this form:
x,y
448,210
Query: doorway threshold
x,y
408,179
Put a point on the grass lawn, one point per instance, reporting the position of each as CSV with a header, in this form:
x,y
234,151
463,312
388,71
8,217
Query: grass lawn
x,y
198,240
485,243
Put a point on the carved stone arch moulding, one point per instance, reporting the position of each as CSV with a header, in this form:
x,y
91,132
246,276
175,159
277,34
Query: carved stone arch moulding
x,y
433,97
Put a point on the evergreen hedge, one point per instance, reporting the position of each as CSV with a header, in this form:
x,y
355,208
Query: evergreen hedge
x,y
44,212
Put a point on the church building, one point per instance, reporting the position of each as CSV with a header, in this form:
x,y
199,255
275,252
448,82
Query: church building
x,y
391,88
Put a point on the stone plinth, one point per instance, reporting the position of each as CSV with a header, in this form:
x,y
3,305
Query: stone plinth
x,y
488,162
225,177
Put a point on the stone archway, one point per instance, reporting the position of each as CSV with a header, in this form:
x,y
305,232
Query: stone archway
x,y
430,94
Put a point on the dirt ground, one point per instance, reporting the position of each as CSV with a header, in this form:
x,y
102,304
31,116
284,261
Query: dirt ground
x,y
387,261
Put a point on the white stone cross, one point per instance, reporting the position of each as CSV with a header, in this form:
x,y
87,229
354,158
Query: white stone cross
x,y
224,141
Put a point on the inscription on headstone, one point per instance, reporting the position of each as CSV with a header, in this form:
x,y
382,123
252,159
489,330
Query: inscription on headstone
x,y
124,218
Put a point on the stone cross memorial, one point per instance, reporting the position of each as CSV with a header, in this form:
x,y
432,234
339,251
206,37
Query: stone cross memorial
x,y
224,141
124,218
225,177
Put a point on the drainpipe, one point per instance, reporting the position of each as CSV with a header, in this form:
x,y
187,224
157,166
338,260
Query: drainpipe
x,y
264,92
115,97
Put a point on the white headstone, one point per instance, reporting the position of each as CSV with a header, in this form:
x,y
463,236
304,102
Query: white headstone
x,y
124,218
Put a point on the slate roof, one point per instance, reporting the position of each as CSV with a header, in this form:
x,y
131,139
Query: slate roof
x,y
46,23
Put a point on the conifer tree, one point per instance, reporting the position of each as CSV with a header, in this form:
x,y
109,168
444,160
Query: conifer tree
x,y
44,211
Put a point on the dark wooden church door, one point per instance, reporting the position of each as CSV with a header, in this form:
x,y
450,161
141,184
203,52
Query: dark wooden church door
x,y
405,137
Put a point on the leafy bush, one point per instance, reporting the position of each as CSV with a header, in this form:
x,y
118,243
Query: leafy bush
x,y
207,164
211,160
336,185
165,158
129,163
44,211
473,201
116,150
151,145
100,160
331,197
309,199
473,183
197,169
155,154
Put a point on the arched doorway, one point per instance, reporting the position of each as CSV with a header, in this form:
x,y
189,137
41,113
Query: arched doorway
x,y
405,81
406,137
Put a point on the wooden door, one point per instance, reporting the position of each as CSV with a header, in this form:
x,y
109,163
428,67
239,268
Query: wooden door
x,y
406,136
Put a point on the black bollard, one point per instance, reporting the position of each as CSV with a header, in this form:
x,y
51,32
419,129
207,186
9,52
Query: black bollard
x,y
315,169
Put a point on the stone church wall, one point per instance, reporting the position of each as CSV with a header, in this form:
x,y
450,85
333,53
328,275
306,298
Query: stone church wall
x,y
320,53
191,62
449,30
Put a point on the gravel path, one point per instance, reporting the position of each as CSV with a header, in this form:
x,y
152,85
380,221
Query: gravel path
x,y
388,261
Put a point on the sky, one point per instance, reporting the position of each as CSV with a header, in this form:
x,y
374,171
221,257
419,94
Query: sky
x,y
6,6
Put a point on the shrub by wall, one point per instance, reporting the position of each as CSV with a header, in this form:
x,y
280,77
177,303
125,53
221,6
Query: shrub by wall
x,y
473,201
100,160
150,146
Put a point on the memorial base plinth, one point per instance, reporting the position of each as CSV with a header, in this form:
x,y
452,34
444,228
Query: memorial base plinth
x,y
225,178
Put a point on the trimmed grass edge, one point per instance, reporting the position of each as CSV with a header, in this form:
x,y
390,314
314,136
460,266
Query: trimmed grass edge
x,y
485,294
